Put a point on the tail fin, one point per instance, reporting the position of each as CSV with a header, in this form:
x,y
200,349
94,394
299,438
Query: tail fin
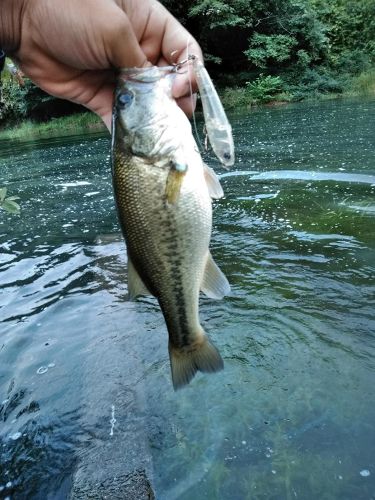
x,y
186,361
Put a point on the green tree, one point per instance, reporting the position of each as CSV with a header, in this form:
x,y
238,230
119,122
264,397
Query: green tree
x,y
351,32
272,49
250,34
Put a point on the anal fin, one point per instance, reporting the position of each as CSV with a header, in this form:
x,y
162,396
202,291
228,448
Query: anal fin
x,y
214,284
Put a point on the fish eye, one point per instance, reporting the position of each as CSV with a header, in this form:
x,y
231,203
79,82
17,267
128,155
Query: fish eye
x,y
227,156
124,99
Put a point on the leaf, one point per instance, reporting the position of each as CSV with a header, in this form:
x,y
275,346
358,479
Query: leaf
x,y
3,193
10,206
13,198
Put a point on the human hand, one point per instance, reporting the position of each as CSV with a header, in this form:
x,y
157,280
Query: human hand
x,y
72,50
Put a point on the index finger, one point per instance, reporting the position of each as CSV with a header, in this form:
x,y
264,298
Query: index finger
x,y
177,45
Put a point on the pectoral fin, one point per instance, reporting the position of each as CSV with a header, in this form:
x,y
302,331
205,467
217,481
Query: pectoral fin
x,y
175,177
213,183
215,285
136,286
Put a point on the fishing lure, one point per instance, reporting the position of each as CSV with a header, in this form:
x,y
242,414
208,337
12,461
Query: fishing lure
x,y
218,128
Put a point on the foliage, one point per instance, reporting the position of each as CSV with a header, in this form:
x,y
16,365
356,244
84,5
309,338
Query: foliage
x,y
294,39
66,125
314,82
13,101
314,46
262,29
264,88
351,62
364,84
19,102
36,99
350,25
220,14
235,97
8,203
351,33
270,48
28,101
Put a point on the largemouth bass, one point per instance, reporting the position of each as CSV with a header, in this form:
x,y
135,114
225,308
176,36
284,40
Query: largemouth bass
x,y
163,194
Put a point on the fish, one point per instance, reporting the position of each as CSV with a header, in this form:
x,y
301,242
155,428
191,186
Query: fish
x,y
163,193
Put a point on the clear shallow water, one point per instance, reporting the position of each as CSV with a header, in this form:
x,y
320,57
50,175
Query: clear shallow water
x,y
291,416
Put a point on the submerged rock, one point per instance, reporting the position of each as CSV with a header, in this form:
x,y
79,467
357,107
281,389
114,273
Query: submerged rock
x,y
134,486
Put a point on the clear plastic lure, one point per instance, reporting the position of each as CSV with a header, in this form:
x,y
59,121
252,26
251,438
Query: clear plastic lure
x,y
218,128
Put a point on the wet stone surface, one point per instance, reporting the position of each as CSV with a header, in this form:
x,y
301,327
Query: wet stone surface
x,y
133,486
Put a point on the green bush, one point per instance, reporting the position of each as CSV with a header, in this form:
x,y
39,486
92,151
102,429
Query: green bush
x,y
236,97
19,102
364,84
13,101
264,88
314,82
66,125
29,101
266,49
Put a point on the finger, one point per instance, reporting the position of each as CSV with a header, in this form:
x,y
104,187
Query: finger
x,y
177,42
183,91
121,44
187,104
162,62
107,120
164,41
185,83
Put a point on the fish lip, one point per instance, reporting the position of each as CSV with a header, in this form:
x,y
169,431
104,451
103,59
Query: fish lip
x,y
143,74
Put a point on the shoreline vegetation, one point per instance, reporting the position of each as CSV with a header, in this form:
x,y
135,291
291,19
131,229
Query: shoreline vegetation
x,y
65,125
258,52
265,91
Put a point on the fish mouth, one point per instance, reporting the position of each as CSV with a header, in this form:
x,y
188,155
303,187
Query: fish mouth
x,y
148,74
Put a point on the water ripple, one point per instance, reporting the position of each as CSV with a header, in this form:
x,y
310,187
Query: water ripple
x,y
302,176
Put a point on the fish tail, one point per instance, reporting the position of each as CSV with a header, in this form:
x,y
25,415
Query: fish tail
x,y
186,361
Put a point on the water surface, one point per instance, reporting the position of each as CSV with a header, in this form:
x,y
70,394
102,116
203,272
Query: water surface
x,y
84,373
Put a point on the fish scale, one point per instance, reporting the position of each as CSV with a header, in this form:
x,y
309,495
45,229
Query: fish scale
x,y
168,241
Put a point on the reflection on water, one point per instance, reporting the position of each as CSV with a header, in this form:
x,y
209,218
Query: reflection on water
x,y
85,387
302,175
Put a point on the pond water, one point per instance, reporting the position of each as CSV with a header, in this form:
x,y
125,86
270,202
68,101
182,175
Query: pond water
x,y
85,389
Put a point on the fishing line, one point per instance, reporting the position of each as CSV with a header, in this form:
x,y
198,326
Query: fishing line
x,y
191,95
217,127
